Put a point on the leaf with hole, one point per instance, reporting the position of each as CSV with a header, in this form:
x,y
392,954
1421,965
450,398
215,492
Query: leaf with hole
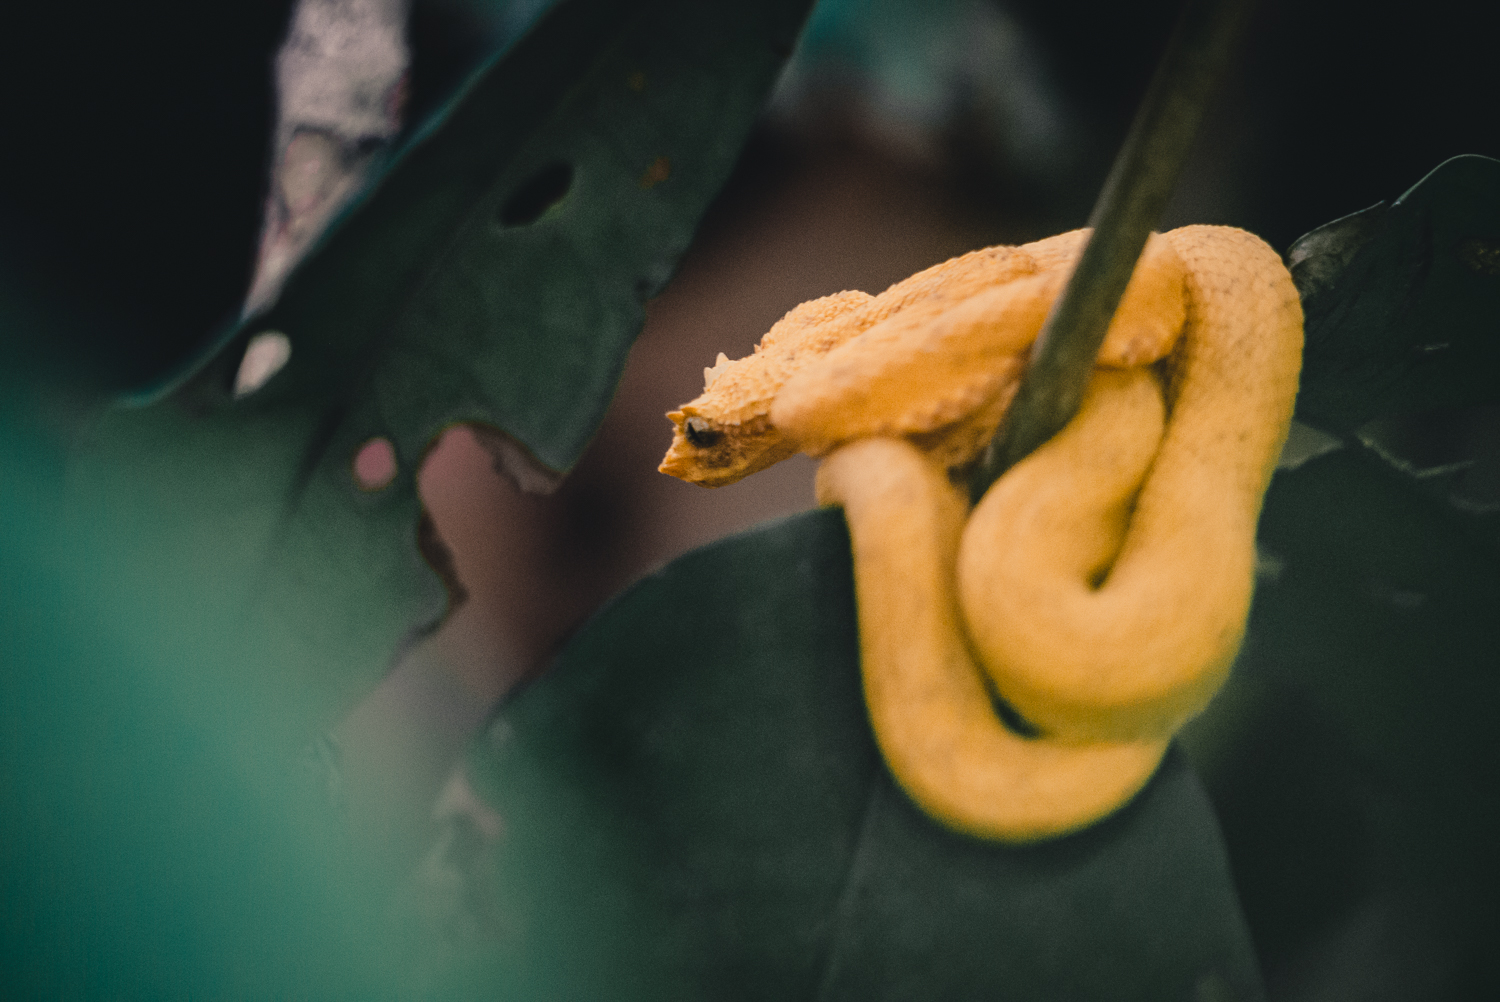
x,y
201,581
497,275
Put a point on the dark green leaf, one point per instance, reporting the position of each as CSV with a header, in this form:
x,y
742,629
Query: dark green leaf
x,y
1353,757
194,587
694,808
1401,302
451,294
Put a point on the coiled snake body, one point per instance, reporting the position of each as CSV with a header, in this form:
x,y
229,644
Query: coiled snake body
x,y
1100,587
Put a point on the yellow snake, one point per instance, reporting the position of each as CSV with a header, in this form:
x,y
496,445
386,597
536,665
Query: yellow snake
x,y
1101,586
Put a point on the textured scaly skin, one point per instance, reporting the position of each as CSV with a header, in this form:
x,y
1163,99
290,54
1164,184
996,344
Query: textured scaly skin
x,y
945,381
976,312
928,702
1101,586
1145,649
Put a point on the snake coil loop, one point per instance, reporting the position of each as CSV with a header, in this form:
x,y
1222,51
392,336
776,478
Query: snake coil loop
x,y
1101,586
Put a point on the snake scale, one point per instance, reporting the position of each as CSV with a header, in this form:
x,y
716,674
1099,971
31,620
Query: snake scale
x,y
1100,587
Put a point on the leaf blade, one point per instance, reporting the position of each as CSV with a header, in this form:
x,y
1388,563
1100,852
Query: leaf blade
x,y
692,801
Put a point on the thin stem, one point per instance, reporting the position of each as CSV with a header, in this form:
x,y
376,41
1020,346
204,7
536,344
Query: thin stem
x,y
1136,192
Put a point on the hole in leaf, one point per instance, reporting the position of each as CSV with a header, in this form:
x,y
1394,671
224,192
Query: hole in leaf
x,y
375,465
537,194
440,558
265,355
659,171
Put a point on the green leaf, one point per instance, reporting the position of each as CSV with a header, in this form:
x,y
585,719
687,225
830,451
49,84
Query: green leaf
x,y
1401,301
694,807
497,276
1352,756
194,586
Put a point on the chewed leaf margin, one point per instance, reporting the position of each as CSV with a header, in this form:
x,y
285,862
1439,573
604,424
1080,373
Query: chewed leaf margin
x,y
199,583
436,301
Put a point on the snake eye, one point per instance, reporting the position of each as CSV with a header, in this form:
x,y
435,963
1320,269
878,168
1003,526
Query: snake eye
x,y
700,434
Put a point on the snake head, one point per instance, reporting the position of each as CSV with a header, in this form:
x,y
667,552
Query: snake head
x,y
713,453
